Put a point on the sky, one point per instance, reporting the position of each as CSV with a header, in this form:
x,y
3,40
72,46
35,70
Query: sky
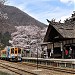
x,y
45,9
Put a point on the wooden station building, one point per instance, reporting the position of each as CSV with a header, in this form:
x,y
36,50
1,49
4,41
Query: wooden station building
x,y
59,41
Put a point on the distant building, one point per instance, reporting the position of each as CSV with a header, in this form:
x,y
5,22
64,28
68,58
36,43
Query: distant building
x,y
60,39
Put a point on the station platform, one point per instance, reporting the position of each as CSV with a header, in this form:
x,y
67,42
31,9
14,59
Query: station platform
x,y
66,63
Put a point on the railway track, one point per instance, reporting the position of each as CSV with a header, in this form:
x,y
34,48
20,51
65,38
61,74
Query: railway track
x,y
16,70
59,69
20,68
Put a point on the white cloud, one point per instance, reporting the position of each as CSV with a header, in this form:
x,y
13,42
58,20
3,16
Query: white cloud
x,y
58,14
64,18
41,10
67,1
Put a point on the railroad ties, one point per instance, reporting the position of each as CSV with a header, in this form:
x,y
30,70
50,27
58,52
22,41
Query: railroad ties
x,y
61,65
45,67
11,66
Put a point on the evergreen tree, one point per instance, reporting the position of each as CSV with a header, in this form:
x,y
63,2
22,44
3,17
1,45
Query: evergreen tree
x,y
4,39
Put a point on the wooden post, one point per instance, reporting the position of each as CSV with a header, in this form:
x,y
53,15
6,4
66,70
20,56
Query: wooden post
x,y
53,49
62,50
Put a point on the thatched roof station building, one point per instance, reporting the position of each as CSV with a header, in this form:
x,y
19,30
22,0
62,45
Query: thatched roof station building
x,y
59,41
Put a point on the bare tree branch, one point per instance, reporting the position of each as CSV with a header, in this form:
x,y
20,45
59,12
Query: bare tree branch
x,y
2,1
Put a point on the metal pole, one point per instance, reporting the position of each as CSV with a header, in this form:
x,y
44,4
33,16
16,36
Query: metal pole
x,y
37,57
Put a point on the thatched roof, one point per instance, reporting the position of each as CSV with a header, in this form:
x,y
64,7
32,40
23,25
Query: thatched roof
x,y
64,30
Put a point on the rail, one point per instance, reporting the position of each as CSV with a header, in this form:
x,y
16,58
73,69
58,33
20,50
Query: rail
x,y
59,69
16,70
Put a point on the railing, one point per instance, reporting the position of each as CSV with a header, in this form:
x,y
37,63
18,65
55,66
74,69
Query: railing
x,y
66,63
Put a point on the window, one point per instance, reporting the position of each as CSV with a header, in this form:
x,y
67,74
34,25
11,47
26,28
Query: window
x,y
12,50
19,50
4,52
15,51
